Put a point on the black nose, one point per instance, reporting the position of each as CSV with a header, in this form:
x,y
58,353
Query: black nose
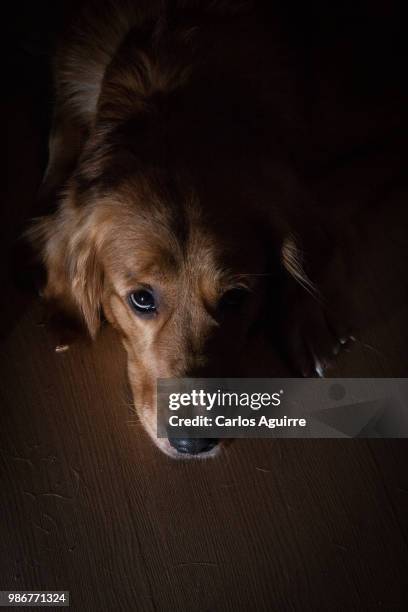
x,y
193,446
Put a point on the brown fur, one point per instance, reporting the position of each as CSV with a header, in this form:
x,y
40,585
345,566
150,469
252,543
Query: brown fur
x,y
164,159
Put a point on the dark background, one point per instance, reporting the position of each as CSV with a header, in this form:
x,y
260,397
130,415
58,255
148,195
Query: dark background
x,y
87,503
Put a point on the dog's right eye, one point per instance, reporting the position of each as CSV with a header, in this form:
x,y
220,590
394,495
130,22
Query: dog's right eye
x,y
142,301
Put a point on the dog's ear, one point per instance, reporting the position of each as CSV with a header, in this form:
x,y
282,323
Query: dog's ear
x,y
86,280
292,260
74,275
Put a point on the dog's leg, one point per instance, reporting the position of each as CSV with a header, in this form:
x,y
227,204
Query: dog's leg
x,y
313,335
64,147
316,322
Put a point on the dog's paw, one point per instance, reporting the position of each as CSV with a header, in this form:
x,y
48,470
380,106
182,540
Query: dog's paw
x,y
313,339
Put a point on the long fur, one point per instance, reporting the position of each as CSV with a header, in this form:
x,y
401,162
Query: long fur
x,y
159,104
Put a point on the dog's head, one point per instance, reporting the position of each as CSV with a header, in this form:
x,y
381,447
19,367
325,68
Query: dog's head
x,y
183,288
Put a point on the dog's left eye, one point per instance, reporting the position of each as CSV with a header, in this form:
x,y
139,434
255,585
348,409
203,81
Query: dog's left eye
x,y
142,301
234,297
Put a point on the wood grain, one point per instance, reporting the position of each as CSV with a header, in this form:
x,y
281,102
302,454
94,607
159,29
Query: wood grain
x,y
87,503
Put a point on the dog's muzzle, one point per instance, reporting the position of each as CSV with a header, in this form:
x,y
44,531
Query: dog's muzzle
x,y
193,446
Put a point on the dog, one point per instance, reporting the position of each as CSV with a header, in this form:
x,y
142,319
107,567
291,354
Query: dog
x,y
178,214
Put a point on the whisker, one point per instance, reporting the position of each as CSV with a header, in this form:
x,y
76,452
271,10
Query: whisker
x,y
369,346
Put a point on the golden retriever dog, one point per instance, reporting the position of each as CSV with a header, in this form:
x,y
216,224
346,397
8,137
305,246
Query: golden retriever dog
x,y
177,210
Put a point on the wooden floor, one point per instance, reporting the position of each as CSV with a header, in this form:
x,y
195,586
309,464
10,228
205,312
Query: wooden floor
x,y
89,505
